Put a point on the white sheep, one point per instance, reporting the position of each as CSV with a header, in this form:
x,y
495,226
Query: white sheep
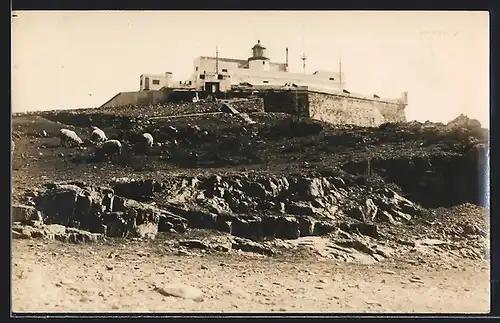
x,y
69,136
109,148
97,135
144,142
148,139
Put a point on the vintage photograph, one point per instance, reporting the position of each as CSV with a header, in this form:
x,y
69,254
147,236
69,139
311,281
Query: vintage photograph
x,y
250,162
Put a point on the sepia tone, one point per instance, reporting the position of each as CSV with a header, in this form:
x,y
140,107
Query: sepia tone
x,y
248,184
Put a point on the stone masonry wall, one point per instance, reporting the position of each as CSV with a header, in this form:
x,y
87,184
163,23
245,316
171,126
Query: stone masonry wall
x,y
339,109
137,98
294,102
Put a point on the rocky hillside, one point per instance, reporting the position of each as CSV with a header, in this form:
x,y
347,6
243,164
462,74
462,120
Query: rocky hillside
x,y
256,176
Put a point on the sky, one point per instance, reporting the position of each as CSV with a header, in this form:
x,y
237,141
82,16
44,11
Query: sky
x,y
73,59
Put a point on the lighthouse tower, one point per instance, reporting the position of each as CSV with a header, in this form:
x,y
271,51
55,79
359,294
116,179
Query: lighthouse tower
x,y
258,61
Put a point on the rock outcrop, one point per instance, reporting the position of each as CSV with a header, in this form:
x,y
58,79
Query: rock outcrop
x,y
286,207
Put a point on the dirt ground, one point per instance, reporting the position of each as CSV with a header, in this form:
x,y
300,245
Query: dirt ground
x,y
58,277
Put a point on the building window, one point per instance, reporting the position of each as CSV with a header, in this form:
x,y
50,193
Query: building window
x,y
202,76
263,62
141,81
219,77
189,82
224,70
196,68
180,82
265,81
332,79
156,82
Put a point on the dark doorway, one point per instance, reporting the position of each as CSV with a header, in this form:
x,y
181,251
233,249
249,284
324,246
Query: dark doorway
x,y
212,87
146,83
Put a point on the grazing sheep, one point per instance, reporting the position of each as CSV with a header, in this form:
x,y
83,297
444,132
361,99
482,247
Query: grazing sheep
x,y
109,149
69,137
148,139
97,135
145,142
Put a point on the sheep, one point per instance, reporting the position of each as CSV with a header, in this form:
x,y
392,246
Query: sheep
x,y
69,136
97,135
146,142
148,138
109,148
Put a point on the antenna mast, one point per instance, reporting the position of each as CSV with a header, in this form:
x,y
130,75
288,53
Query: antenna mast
x,y
286,66
303,58
217,59
340,71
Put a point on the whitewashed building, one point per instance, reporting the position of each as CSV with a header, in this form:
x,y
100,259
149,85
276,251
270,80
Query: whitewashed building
x,y
214,74
158,81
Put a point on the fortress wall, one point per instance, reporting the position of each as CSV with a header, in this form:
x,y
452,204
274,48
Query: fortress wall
x,y
347,109
393,112
137,98
286,101
335,108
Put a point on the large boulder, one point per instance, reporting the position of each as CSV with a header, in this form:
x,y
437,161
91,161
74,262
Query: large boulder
x,y
25,214
58,202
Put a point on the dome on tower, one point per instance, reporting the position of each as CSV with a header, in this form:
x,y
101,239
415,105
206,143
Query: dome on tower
x,y
258,52
258,46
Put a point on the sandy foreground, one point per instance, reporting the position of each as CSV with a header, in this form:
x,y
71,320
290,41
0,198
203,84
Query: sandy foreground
x,y
58,277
